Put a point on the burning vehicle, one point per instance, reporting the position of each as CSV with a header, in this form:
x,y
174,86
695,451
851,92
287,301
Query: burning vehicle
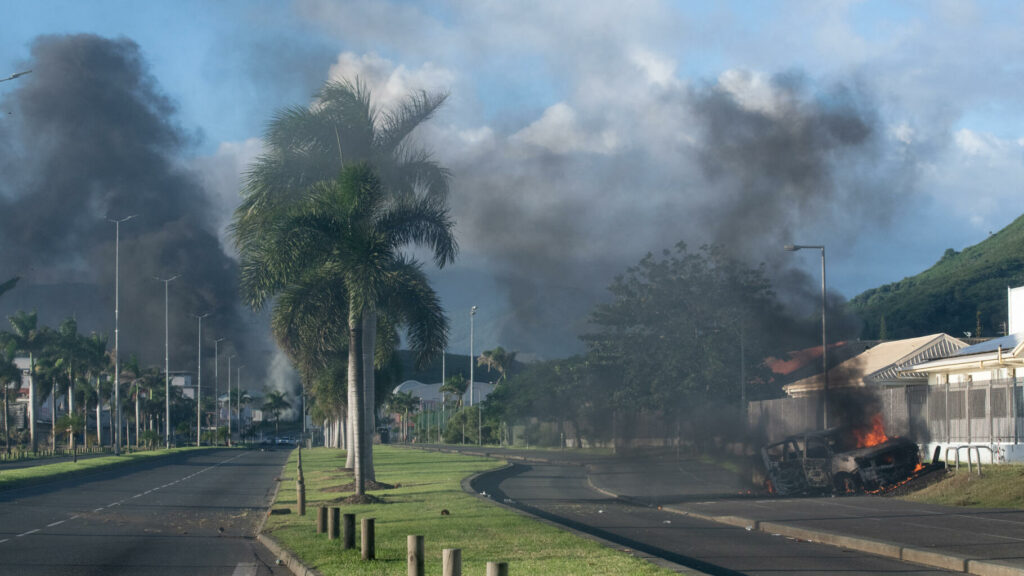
x,y
839,461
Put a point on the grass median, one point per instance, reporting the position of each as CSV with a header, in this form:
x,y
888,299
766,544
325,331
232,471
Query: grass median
x,y
426,484
18,477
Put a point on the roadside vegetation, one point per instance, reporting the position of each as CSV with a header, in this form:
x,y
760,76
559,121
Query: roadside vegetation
x,y
426,484
998,487
17,477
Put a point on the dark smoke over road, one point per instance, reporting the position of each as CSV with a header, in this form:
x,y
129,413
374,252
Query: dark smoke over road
x,y
92,136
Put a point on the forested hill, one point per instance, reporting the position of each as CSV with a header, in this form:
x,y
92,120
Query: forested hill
x,y
963,292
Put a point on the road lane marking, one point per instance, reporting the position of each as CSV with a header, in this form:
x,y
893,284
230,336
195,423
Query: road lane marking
x,y
240,570
245,569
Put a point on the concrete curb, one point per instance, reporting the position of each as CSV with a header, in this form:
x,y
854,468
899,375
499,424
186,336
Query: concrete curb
x,y
283,554
922,556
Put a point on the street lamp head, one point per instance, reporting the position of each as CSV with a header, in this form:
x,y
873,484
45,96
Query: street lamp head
x,y
472,310
790,248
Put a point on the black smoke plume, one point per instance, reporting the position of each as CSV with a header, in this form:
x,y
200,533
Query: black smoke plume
x,y
811,165
91,136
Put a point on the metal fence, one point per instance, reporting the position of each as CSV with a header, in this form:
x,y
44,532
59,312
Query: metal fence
x,y
985,412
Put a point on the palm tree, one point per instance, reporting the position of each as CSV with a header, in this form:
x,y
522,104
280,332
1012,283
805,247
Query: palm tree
x,y
498,359
26,337
10,375
402,403
348,233
275,403
96,361
455,385
308,145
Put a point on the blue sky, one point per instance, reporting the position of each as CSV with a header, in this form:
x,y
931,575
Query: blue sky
x,y
581,131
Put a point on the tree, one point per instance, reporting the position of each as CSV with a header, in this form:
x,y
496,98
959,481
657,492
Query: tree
x,y
10,378
308,145
26,337
455,385
497,359
275,403
95,362
350,232
402,404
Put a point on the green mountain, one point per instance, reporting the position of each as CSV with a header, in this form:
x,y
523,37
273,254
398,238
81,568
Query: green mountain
x,y
963,292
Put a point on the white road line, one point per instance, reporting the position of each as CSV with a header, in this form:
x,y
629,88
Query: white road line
x,y
100,509
27,533
57,523
243,569
5,540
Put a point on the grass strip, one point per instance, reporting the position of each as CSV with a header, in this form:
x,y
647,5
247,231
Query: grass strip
x,y
999,486
426,483
18,477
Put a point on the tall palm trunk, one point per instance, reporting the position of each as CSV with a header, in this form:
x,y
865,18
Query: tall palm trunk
x,y
369,387
32,403
53,415
99,414
355,398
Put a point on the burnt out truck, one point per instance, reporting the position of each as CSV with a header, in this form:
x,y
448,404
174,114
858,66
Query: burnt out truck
x,y
824,462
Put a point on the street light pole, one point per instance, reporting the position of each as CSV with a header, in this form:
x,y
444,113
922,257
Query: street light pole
x,y
229,397
824,329
117,298
167,364
238,403
216,388
199,382
472,362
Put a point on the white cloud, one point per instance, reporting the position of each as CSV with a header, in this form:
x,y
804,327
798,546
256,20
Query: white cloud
x,y
752,90
388,83
221,175
559,131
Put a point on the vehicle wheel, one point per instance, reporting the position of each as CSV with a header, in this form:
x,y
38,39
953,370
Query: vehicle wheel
x,y
847,484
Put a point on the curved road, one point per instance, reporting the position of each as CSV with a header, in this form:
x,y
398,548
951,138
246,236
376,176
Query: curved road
x,y
563,493
191,513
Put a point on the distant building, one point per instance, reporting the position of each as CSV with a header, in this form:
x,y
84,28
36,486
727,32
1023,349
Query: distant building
x,y
430,394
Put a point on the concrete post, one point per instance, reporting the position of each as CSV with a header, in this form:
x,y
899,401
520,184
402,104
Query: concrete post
x,y
451,562
321,519
300,496
349,532
333,523
497,569
414,547
368,539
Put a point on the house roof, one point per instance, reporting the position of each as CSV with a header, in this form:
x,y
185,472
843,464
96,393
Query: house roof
x,y
884,362
1007,351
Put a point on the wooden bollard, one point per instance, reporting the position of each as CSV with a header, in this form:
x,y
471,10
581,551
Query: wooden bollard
x,y
497,569
451,562
414,545
300,496
349,532
333,523
321,519
368,539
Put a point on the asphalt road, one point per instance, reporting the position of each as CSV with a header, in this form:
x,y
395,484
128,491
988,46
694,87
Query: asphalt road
x,y
192,513
562,493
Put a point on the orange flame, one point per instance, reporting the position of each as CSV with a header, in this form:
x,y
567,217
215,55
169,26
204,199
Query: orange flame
x,y
871,436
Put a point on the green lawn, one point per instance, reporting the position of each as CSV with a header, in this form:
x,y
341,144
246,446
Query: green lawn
x,y
12,478
999,486
426,483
